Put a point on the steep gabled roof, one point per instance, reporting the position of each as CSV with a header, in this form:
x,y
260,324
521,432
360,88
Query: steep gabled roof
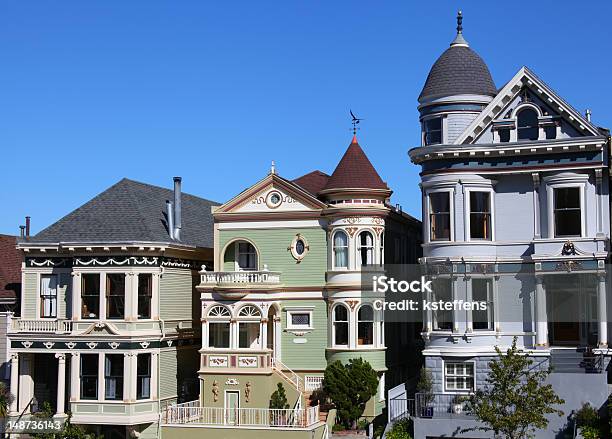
x,y
314,182
10,269
130,211
355,171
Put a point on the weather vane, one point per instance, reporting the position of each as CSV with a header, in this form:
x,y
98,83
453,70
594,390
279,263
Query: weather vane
x,y
355,122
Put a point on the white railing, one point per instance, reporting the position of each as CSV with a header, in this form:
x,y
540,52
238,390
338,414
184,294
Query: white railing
x,y
240,417
240,278
400,408
312,383
287,374
42,326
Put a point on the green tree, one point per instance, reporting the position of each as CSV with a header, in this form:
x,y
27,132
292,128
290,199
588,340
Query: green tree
x,y
515,400
68,431
350,386
5,399
278,399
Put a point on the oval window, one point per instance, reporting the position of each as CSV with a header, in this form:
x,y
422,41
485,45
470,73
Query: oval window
x,y
275,198
300,247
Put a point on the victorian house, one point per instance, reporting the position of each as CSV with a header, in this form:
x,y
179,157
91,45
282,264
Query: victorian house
x,y
109,324
284,297
515,196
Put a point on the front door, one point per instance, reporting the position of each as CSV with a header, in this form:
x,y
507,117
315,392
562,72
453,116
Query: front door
x,y
565,328
232,407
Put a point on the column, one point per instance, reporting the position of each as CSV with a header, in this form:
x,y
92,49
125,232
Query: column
x,y
75,378
76,295
536,205
602,311
263,330
14,383
130,310
61,384
541,318
154,374
101,379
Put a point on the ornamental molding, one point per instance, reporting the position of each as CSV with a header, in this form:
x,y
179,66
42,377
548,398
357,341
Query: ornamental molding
x,y
48,344
232,382
111,261
27,344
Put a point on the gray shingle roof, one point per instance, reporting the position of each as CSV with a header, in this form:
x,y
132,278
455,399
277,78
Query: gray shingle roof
x,y
130,211
459,70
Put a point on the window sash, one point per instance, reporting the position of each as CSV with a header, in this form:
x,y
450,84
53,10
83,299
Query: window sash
x,y
48,296
246,331
145,294
459,376
480,215
340,248
90,295
366,248
143,375
219,334
442,319
341,333
483,320
440,216
115,295
433,131
89,376
567,211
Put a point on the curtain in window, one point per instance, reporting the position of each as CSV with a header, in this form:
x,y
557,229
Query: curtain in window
x,y
366,248
340,250
48,293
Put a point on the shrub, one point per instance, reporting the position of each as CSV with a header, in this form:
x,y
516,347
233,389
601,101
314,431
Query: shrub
x,y
278,399
400,430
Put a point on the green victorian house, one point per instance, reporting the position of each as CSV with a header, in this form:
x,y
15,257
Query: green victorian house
x,y
284,298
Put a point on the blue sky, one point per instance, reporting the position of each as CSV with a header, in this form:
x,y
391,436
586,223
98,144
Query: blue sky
x,y
94,91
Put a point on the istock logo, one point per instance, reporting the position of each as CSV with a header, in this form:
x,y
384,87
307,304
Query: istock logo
x,y
383,284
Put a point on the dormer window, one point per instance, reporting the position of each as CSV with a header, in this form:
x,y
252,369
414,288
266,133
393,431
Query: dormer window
x,y
527,125
433,131
504,135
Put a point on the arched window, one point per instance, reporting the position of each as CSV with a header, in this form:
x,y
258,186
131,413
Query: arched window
x,y
246,256
340,247
341,325
527,121
365,325
219,327
249,311
366,248
381,256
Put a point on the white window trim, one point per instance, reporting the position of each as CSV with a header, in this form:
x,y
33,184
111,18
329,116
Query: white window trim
x,y
467,211
451,194
333,326
333,253
443,129
236,244
494,297
579,183
454,391
357,247
374,322
39,298
289,311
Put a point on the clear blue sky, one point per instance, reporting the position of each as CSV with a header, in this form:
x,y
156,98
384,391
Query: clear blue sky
x,y
93,91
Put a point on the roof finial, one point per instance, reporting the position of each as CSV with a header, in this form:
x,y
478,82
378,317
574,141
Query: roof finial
x,y
459,41
273,168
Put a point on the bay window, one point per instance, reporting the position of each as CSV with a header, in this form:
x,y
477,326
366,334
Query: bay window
x,y
48,296
366,248
143,376
113,376
89,376
459,376
115,296
567,211
340,249
480,215
248,335
440,216
482,291
90,295
442,291
341,325
219,334
365,325
145,292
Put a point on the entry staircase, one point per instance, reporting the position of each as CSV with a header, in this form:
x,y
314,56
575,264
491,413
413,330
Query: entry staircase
x,y
576,360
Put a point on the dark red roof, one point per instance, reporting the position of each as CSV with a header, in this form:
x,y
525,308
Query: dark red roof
x,y
313,182
10,267
355,171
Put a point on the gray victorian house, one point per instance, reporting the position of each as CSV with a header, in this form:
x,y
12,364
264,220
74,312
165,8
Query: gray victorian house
x,y
515,200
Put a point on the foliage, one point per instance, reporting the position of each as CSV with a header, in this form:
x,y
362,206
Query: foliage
x,y
379,431
400,430
587,421
350,387
278,399
68,431
5,399
362,424
589,432
425,385
515,400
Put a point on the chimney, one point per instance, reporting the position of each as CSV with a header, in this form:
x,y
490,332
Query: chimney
x,y
169,214
22,231
587,114
178,220
27,228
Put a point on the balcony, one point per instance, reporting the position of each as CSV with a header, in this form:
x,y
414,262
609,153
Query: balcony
x,y
237,284
441,406
41,326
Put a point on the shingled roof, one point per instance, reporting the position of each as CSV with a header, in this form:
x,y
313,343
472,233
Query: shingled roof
x,y
10,269
354,171
130,211
313,182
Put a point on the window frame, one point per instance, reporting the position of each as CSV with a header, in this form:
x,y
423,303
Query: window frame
x,y
346,249
138,296
140,377
451,195
347,322
217,319
467,208
577,181
491,310
425,132
289,324
108,295
42,299
99,295
445,375
96,376
238,253
372,324
119,379
434,313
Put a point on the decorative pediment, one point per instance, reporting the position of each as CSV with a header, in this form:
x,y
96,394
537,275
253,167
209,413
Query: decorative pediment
x,y
101,328
526,87
271,195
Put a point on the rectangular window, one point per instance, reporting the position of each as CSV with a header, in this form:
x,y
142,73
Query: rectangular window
x,y
298,320
48,296
247,256
482,292
439,216
459,376
504,135
89,376
143,375
567,214
433,131
145,292
90,295
219,334
113,376
248,335
115,296
480,215
442,291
